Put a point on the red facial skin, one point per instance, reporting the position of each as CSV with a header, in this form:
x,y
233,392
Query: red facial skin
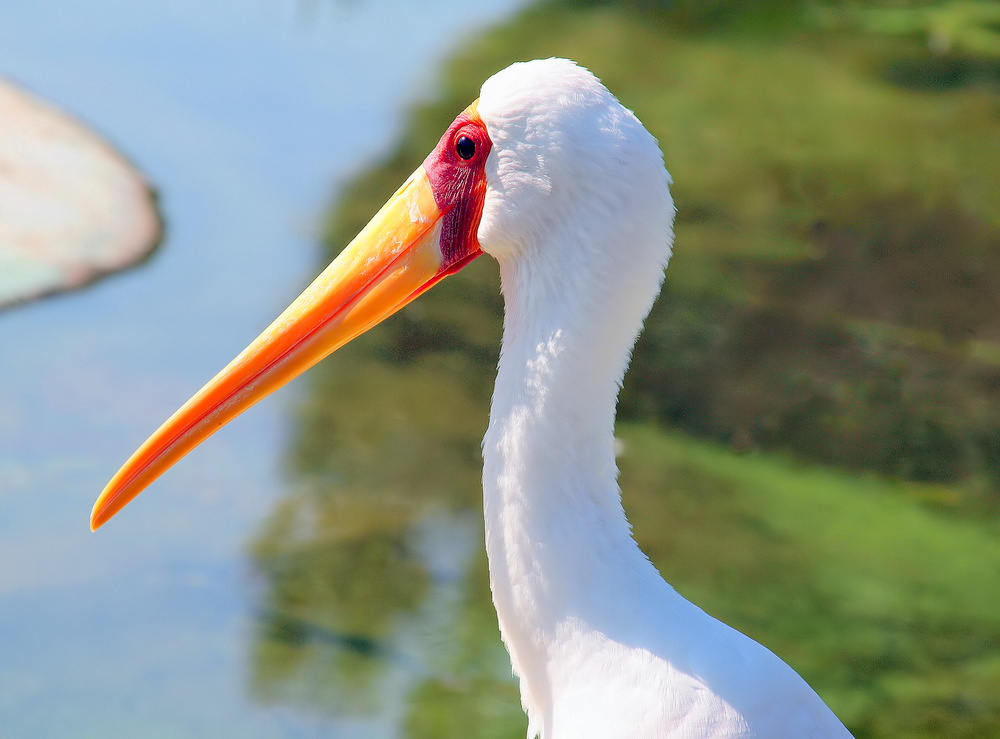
x,y
459,187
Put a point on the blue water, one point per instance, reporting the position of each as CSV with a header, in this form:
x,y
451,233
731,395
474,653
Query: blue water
x,y
245,116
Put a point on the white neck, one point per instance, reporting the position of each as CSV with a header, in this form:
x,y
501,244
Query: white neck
x,y
563,564
601,644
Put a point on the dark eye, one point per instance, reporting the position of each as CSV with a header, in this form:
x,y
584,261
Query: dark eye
x,y
465,147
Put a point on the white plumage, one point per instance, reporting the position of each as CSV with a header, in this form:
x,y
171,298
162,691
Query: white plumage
x,y
576,208
578,213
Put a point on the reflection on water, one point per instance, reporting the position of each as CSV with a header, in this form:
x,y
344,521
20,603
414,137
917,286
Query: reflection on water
x,y
242,115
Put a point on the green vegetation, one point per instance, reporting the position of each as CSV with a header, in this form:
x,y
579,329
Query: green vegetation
x,y
887,608
834,298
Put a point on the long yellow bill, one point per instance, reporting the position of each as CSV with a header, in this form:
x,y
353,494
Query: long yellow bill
x,y
394,259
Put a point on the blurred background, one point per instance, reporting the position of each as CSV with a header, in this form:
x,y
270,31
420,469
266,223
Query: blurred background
x,y
810,432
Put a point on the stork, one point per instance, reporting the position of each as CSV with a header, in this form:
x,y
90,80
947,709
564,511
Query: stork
x,y
549,174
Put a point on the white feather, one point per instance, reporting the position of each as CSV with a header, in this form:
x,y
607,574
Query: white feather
x,y
579,215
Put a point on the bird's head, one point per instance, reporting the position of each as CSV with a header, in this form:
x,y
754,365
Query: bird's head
x,y
547,169
567,160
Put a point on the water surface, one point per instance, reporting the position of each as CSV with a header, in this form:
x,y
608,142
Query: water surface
x,y
245,117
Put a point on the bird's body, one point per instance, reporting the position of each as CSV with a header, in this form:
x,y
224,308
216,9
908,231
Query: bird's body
x,y
552,176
